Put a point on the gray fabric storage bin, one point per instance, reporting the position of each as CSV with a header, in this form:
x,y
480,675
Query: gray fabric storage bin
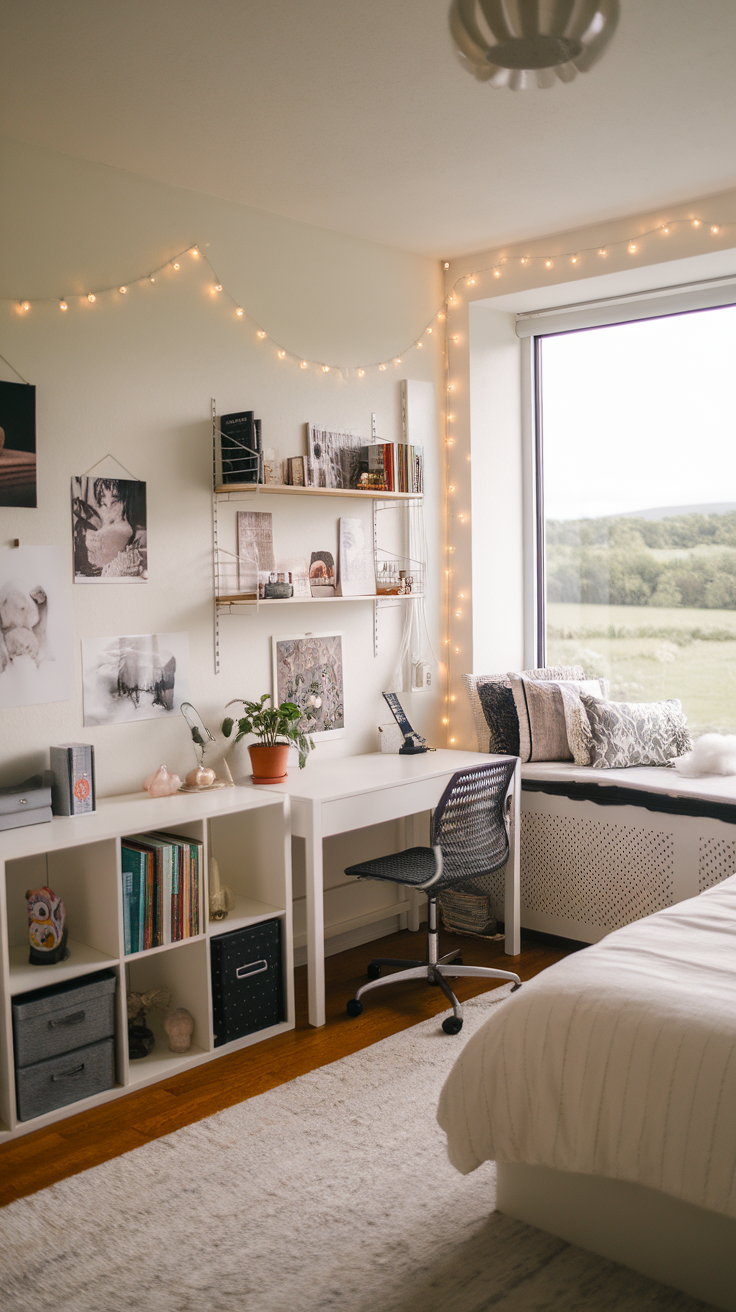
x,y
62,1080
57,1019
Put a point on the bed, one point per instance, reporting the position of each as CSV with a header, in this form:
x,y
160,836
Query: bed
x,y
605,1090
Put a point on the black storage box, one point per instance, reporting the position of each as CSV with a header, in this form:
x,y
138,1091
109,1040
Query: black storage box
x,y
64,1016
247,990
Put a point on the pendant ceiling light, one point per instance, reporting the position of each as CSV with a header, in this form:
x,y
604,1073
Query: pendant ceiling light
x,y
513,43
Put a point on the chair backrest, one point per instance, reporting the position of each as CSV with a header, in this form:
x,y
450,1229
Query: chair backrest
x,y
470,824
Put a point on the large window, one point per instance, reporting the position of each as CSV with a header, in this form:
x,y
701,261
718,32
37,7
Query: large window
x,y
638,482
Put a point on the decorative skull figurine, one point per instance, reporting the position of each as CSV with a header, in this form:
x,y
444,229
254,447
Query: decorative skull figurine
x,y
47,929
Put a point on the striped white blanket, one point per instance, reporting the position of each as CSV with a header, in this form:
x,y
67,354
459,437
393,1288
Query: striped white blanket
x,y
618,1061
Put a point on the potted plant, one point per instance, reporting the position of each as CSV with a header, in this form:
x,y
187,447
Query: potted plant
x,y
276,728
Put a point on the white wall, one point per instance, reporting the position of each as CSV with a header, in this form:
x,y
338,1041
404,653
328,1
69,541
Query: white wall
x,y
487,469
133,376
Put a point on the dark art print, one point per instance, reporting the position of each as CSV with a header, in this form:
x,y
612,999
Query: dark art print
x,y
17,444
308,671
140,676
109,527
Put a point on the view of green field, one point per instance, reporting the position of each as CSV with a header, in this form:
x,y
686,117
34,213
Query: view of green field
x,y
650,652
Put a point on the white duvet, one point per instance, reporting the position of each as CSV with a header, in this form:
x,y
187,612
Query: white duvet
x,y
618,1061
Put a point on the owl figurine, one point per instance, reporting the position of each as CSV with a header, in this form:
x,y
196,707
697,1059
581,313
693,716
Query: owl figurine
x,y
47,929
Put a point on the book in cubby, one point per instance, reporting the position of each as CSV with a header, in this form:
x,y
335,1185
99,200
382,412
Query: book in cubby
x,y
162,890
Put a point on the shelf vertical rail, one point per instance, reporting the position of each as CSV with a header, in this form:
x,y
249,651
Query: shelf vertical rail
x,y
375,557
215,541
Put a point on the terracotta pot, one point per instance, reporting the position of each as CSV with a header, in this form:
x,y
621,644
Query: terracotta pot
x,y
268,763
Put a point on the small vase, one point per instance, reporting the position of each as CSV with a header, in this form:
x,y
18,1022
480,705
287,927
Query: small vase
x,y
268,763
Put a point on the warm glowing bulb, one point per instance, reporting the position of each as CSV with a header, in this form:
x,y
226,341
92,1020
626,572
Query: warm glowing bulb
x,y
451,488
696,223
441,317
457,651
239,312
461,595
602,252
548,264
397,360
461,518
91,297
632,248
151,278
25,305
381,367
523,259
455,337
451,387
260,334
458,614
361,373
195,253
429,330
63,305
175,265
218,287
452,739
666,232
325,368
282,355
450,549
497,273
453,697
122,290
420,345
450,419
715,230
573,259
446,264
470,282
447,642
445,720
450,441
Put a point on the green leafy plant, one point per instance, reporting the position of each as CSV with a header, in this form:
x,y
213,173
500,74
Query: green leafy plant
x,y
271,725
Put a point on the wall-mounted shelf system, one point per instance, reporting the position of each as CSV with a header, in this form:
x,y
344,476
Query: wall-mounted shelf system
x,y
229,600
79,857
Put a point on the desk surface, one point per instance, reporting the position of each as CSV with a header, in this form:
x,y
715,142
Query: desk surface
x,y
347,776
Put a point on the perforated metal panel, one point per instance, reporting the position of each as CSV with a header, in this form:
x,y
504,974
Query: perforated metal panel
x,y
716,861
592,871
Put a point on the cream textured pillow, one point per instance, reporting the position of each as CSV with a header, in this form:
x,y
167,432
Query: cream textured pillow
x,y
493,737
636,733
545,709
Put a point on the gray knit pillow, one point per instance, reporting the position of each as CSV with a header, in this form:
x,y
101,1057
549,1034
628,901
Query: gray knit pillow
x,y
635,733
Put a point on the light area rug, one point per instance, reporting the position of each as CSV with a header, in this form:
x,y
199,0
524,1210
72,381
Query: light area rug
x,y
331,1192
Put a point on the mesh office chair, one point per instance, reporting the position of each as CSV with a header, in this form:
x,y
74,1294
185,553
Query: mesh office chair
x,y
470,842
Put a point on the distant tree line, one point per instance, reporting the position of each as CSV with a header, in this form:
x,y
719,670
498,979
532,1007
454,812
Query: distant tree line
x,y
688,560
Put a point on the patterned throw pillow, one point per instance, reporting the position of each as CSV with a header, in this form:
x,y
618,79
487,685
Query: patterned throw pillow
x,y
499,710
548,711
635,733
498,739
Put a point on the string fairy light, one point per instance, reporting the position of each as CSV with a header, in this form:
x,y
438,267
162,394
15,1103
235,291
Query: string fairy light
x,y
218,290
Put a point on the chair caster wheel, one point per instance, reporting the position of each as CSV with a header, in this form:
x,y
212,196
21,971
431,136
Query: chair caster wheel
x,y
355,1007
373,972
452,1025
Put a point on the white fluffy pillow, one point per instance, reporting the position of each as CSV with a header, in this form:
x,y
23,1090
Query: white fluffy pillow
x,y
714,753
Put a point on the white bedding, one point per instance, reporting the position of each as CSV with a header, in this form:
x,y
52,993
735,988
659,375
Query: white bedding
x,y
618,1061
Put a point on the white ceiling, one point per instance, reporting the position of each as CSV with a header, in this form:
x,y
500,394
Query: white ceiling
x,y
357,116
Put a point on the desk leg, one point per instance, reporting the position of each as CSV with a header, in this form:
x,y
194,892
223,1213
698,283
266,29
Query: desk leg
x,y
512,945
315,916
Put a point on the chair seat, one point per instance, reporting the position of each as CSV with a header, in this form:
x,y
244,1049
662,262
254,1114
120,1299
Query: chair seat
x,y
415,866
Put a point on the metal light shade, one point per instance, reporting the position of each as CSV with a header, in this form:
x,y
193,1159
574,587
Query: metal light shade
x,y
512,43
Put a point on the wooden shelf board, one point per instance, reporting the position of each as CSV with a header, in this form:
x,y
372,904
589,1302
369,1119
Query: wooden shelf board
x,y
82,960
285,489
321,601
164,947
247,911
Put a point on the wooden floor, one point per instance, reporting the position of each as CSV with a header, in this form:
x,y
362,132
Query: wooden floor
x,y
40,1158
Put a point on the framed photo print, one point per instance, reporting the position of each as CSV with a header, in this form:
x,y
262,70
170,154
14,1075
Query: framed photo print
x,y
308,670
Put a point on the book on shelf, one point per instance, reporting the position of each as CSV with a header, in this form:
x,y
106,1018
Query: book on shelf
x,y
241,461
162,890
391,467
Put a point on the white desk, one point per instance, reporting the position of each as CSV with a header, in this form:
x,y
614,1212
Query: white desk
x,y
351,792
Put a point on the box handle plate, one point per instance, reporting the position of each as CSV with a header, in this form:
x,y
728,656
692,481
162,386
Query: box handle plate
x,y
252,968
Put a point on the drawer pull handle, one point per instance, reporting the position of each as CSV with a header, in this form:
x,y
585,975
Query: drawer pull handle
x,y
74,1018
252,968
65,1075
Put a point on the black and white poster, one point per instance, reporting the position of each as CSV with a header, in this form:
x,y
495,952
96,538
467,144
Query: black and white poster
x,y
17,444
36,653
139,676
109,528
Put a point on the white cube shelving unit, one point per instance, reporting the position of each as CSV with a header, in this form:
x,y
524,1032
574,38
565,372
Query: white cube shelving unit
x,y
79,858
